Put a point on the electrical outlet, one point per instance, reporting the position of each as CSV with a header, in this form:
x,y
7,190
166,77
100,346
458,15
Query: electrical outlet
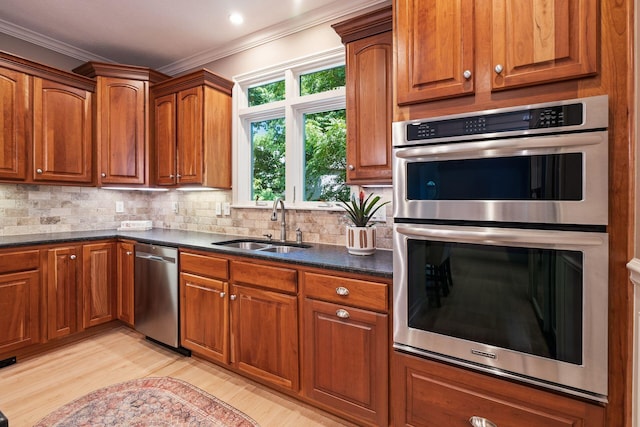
x,y
218,208
119,206
380,216
175,207
227,208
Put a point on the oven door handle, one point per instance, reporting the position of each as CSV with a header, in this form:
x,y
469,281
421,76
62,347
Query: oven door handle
x,y
503,146
493,235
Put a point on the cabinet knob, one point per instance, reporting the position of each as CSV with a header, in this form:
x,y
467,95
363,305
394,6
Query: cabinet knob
x,y
498,68
72,257
467,74
232,297
342,291
178,176
481,422
351,167
172,176
38,170
342,313
129,253
104,175
222,294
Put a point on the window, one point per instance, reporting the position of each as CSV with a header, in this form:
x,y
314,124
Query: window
x,y
291,133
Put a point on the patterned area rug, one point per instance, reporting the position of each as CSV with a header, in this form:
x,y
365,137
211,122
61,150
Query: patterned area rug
x,y
156,402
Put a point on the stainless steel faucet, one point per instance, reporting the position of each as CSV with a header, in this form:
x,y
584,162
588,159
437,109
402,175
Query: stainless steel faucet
x,y
283,222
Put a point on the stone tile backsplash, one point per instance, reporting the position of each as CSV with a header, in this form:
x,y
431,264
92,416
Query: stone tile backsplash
x,y
30,209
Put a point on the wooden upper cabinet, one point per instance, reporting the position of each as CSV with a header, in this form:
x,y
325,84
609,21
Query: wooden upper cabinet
x,y
435,41
451,48
192,130
165,139
63,139
369,83
122,121
15,115
537,41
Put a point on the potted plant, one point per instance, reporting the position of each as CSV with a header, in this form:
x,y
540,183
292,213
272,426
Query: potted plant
x,y
361,235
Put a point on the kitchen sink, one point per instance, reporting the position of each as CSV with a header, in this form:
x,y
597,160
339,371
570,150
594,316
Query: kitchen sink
x,y
264,245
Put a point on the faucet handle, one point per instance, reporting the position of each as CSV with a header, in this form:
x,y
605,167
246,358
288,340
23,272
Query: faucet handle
x,y
298,235
268,236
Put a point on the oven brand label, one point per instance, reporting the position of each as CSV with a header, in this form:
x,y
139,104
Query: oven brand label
x,y
483,353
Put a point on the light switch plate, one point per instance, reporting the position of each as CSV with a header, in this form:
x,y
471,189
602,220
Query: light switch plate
x,y
119,206
227,208
218,208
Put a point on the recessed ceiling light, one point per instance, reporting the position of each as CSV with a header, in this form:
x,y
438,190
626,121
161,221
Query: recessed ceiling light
x,y
236,18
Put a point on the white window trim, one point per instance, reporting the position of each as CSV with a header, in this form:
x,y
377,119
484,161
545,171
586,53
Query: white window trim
x,y
290,108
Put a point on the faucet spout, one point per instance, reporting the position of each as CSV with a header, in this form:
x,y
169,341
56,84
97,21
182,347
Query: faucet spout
x,y
283,222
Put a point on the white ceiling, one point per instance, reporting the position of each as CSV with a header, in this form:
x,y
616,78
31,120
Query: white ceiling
x,y
164,34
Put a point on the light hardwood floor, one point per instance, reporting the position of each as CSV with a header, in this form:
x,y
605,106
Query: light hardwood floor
x,y
32,388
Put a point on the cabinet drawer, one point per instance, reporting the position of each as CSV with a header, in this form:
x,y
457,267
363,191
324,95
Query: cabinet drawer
x,y
276,278
19,261
357,293
204,265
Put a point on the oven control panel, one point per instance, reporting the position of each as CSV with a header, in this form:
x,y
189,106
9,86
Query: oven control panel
x,y
518,120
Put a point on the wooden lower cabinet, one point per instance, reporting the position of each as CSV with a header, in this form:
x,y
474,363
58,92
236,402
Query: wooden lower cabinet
x,y
125,261
345,361
19,300
428,393
62,272
98,284
264,335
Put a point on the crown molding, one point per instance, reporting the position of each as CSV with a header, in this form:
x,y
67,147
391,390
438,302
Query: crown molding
x,y
49,43
305,21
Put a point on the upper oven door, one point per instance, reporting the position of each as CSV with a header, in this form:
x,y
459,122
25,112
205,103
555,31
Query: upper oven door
x,y
553,179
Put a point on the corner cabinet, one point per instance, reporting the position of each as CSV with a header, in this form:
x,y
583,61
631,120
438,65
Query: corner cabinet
x,y
192,130
466,50
433,394
15,91
48,137
122,121
369,83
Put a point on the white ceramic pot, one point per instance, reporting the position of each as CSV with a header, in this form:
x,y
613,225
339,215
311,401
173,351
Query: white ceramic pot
x,y
361,240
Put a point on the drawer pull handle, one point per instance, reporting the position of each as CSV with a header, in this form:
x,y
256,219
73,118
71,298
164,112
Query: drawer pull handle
x,y
342,291
481,422
343,314
222,294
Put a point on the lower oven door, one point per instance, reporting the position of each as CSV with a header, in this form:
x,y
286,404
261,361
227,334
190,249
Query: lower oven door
x,y
527,304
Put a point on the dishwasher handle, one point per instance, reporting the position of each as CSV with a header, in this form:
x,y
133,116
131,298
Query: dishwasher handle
x,y
157,258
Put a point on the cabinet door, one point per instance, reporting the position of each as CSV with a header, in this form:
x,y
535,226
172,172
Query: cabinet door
x,y
124,296
62,133
345,362
19,310
121,130
62,290
165,139
435,49
190,135
537,41
15,118
98,284
369,109
264,335
204,316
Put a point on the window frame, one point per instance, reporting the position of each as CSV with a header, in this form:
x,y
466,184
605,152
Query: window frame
x,y
292,108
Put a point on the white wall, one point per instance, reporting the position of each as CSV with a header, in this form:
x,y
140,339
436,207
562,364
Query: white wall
x,y
36,53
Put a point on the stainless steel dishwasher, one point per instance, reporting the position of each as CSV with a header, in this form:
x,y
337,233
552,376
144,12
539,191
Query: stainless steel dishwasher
x,y
156,294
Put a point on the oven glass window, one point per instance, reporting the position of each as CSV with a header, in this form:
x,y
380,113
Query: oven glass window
x,y
522,299
540,177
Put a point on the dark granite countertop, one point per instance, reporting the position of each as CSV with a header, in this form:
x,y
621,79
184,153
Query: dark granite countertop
x,y
318,255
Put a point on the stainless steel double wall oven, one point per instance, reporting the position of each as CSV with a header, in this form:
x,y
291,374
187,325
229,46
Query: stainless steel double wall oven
x,y
500,242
